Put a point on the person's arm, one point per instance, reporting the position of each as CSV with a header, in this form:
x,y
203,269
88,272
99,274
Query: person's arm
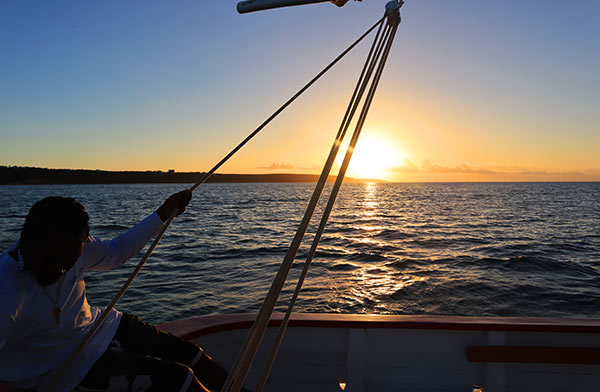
x,y
99,255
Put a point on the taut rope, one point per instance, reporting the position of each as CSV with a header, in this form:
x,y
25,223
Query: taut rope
x,y
241,367
332,197
203,179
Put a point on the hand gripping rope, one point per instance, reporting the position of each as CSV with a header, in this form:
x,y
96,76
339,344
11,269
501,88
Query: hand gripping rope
x,y
378,53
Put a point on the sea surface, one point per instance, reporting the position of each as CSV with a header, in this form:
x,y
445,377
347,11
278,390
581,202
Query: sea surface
x,y
481,249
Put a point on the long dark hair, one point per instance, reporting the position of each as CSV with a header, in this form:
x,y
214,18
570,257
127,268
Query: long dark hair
x,y
53,214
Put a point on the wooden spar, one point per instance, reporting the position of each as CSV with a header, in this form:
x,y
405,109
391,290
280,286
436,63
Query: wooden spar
x,y
260,5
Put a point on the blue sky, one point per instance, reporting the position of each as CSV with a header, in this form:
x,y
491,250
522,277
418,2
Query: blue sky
x,y
508,87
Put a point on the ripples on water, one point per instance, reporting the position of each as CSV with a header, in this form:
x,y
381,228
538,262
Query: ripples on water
x,y
488,249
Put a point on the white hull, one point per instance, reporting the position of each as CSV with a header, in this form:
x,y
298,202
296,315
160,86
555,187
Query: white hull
x,y
413,353
377,353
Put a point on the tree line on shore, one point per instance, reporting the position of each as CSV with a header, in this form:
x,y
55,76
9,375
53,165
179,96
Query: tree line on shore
x,y
20,175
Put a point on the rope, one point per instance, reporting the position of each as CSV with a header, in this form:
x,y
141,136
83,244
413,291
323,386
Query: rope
x,y
57,376
282,107
248,352
283,327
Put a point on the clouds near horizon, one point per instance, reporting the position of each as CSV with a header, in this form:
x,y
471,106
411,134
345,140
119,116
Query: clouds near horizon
x,y
500,173
277,166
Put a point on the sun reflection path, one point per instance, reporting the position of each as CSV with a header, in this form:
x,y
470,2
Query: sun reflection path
x,y
372,285
375,280
369,214
370,200
368,275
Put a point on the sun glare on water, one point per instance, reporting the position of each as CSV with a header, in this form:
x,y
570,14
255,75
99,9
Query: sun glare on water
x,y
373,158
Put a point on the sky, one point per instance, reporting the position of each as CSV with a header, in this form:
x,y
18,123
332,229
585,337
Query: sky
x,y
474,90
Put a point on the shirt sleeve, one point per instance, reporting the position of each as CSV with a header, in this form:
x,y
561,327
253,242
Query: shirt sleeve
x,y
101,255
9,305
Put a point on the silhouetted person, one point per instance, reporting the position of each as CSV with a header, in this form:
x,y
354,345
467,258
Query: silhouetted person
x,y
44,313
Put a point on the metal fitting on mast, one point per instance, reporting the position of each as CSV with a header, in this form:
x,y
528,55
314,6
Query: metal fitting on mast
x,y
392,9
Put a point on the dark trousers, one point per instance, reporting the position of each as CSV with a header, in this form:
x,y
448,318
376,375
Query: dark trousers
x,y
143,358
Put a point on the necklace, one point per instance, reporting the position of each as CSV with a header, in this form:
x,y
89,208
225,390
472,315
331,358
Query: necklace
x,y
57,309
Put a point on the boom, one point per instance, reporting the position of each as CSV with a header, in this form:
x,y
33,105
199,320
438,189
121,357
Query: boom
x,y
259,5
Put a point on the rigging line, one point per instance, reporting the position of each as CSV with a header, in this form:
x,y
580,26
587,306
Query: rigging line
x,y
203,179
264,322
366,71
324,219
285,105
376,82
246,355
283,327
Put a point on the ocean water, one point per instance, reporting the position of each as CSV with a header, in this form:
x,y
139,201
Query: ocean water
x,y
480,249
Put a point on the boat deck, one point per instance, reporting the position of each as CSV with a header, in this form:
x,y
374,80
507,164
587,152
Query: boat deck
x,y
413,353
380,353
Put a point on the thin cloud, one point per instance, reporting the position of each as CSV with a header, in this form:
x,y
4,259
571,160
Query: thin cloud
x,y
406,167
587,174
277,166
515,172
433,168
313,166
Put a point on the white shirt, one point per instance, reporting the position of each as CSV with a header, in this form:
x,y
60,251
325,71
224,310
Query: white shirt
x,y
32,344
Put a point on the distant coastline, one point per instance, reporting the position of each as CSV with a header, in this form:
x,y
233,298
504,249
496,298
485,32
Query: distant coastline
x,y
20,175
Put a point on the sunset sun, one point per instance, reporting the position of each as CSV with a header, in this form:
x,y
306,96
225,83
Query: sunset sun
x,y
373,158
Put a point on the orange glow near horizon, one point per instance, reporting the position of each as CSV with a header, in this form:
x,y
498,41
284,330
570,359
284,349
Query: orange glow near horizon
x,y
374,157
